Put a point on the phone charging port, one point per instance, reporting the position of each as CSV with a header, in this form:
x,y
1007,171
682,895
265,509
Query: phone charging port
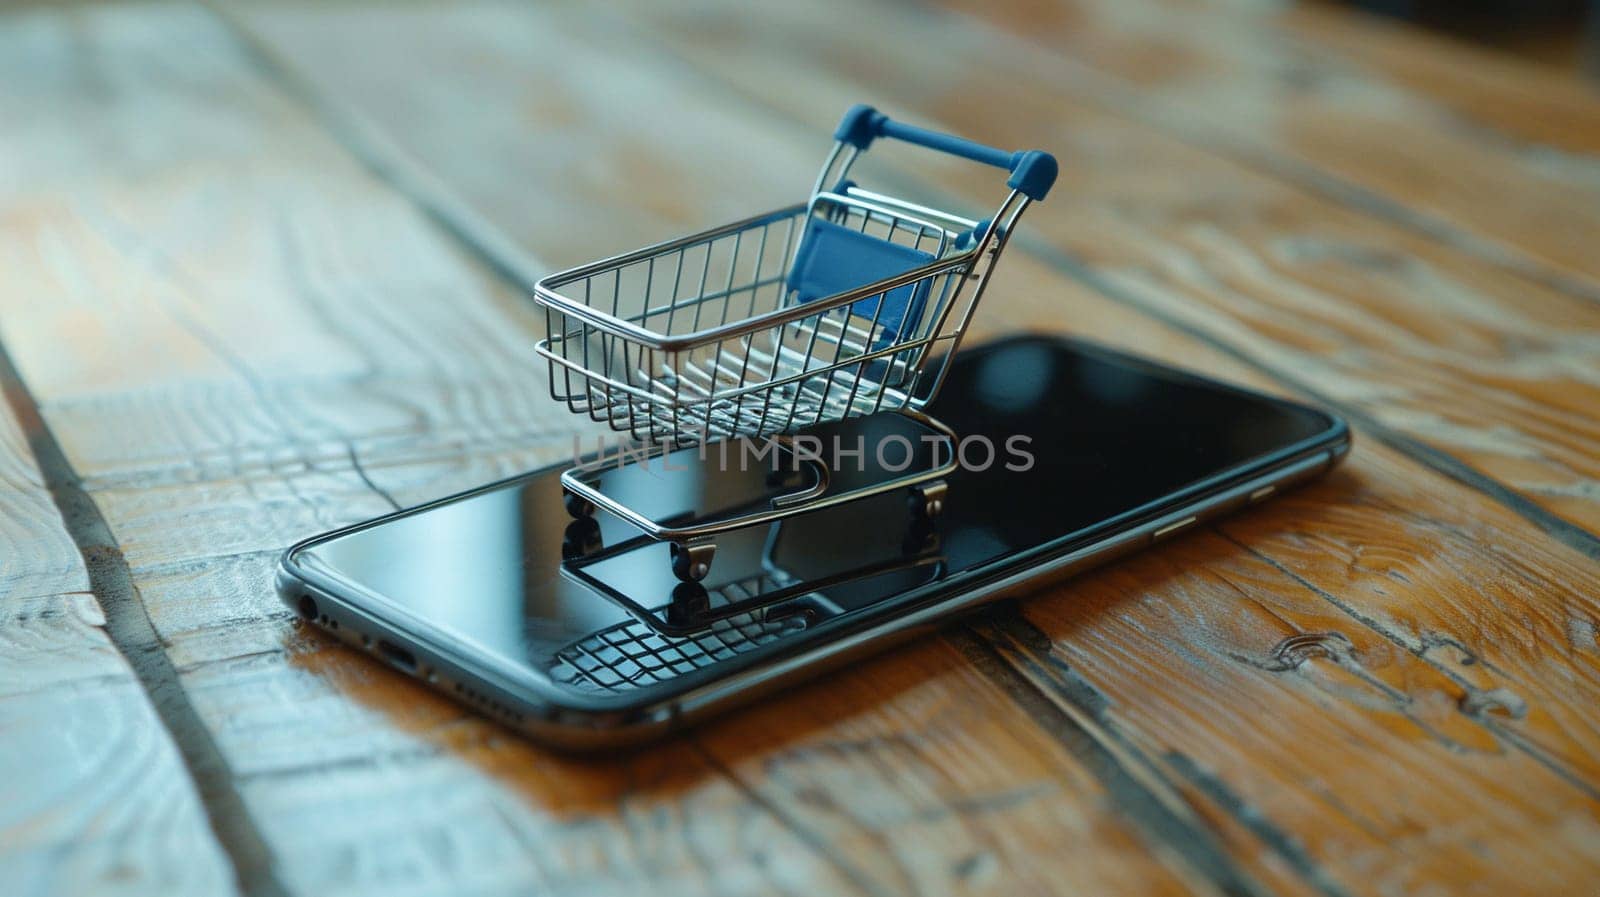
x,y
398,656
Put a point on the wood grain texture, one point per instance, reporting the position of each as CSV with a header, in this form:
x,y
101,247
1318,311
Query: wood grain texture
x,y
285,344
1470,147
1365,689
37,556
94,797
1538,105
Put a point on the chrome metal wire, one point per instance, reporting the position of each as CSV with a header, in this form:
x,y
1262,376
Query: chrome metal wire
x,y
701,338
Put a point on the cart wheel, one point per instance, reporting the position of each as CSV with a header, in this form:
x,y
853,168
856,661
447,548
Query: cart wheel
x,y
928,500
690,602
921,536
579,507
581,539
691,560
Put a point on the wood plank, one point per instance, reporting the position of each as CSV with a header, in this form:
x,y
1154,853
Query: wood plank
x,y
1488,152
287,346
95,795
1533,104
37,556
1323,615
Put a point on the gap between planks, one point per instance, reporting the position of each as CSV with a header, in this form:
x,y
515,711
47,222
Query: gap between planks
x,y
131,632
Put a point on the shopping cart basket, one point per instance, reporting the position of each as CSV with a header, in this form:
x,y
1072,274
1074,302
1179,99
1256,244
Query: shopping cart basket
x,y
848,305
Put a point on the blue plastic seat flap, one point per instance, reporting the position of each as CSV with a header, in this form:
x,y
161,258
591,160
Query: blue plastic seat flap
x,y
833,259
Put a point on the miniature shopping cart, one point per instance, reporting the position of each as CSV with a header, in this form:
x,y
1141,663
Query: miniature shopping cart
x,y
851,304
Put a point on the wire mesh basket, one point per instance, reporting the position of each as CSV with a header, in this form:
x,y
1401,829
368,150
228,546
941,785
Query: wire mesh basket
x,y
850,304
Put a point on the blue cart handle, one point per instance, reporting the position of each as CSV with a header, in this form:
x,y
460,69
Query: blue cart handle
x,y
1032,171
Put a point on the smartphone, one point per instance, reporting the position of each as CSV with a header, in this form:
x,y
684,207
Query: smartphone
x,y
577,633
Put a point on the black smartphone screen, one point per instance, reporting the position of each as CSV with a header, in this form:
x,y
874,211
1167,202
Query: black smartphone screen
x,y
1063,440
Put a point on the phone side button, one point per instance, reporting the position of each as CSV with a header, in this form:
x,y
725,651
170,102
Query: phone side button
x,y
1177,526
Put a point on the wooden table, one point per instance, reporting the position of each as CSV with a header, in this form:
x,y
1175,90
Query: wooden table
x,y
264,271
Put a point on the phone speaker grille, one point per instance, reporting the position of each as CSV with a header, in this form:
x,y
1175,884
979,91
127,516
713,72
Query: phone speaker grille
x,y
488,705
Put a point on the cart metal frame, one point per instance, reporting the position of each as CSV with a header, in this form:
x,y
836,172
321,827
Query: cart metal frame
x,y
714,336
